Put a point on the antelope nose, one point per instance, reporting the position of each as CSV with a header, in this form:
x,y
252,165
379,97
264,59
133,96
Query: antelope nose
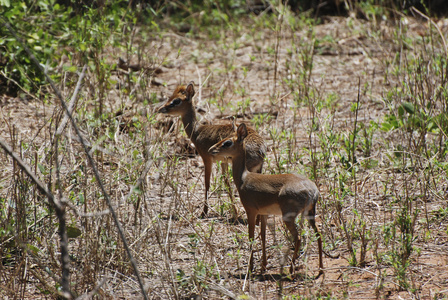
x,y
162,110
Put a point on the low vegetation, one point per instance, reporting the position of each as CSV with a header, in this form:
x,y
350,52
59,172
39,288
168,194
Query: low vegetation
x,y
355,97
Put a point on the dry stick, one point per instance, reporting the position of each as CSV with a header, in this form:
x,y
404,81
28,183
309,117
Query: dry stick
x,y
354,138
71,105
60,213
90,159
62,230
200,84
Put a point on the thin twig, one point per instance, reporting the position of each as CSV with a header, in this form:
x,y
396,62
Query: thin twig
x,y
71,105
199,84
354,139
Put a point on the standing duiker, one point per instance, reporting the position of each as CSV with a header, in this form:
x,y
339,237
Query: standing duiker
x,y
285,195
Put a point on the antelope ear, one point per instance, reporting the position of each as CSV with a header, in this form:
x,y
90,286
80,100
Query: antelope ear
x,y
241,132
190,90
234,124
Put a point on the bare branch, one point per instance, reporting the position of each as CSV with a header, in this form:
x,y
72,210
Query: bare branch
x,y
71,105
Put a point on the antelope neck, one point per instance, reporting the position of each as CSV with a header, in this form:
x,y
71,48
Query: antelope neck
x,y
190,124
239,169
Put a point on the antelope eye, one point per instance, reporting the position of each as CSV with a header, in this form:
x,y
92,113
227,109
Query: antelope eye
x,y
176,101
227,144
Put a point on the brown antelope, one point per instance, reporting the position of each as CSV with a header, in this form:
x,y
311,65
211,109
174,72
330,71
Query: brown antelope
x,y
284,195
204,136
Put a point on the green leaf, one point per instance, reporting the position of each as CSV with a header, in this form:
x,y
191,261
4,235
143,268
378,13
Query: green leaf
x,y
73,232
409,107
81,198
400,111
42,169
34,36
33,248
70,68
386,126
371,163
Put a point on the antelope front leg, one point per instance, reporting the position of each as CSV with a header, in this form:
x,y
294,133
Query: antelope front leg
x,y
208,172
264,261
251,220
